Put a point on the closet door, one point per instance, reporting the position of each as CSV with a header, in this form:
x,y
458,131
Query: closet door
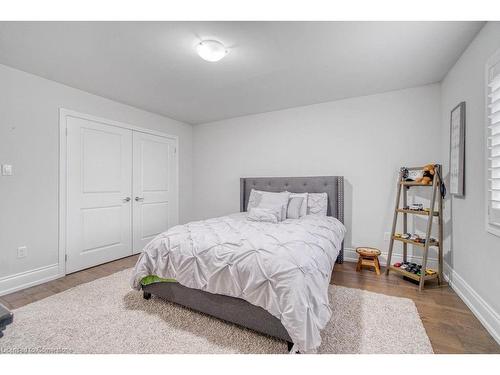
x,y
99,193
154,187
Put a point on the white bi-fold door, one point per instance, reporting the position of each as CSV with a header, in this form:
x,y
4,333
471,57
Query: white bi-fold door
x,y
121,191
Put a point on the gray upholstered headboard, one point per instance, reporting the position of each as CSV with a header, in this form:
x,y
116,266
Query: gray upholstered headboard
x,y
333,186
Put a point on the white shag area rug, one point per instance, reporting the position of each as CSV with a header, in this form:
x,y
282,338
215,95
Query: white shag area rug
x,y
106,316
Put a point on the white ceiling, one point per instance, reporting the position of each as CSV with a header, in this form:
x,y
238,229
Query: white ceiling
x,y
271,65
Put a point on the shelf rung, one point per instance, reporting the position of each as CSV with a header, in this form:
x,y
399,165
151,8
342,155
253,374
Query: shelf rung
x,y
416,212
432,243
415,168
412,183
412,275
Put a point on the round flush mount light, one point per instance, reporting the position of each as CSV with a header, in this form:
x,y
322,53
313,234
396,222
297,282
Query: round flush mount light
x,y
211,50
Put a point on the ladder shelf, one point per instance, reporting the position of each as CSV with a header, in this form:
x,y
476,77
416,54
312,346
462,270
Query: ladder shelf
x,y
431,213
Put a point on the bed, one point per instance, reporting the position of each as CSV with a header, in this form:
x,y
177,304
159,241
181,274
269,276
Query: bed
x,y
258,311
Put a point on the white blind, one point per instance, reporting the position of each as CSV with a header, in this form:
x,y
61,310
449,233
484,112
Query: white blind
x,y
494,145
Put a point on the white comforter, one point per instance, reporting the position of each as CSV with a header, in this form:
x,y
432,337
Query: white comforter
x,y
284,268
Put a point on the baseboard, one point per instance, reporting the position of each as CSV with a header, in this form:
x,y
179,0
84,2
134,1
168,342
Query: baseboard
x,y
488,317
350,255
22,280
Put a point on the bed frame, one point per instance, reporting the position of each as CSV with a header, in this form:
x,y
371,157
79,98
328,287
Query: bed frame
x,y
236,310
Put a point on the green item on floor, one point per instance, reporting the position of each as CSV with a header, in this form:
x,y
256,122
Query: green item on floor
x,y
151,279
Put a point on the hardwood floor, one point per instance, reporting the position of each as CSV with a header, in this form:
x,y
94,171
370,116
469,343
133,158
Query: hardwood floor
x,y
450,325
25,296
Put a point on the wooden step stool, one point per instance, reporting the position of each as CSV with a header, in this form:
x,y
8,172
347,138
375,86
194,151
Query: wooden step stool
x,y
368,257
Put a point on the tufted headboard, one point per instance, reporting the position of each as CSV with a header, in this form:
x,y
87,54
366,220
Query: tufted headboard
x,y
333,186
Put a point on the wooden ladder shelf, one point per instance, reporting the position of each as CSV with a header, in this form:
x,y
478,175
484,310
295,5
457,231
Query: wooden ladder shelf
x,y
433,212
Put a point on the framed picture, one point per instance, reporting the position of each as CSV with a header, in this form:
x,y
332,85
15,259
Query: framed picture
x,y
457,150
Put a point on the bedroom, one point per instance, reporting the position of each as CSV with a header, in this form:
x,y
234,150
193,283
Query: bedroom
x,y
248,187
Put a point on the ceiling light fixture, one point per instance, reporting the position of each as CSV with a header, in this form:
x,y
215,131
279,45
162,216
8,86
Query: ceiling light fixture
x,y
211,50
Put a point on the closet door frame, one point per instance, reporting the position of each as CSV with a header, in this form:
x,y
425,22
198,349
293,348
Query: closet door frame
x,y
63,175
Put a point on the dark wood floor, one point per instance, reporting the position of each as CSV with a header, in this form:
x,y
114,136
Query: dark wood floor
x,y
450,325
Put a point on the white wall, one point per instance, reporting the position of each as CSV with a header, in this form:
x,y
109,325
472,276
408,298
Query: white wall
x,y
29,140
474,252
365,139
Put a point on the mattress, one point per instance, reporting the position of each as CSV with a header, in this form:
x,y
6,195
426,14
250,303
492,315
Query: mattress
x,y
284,268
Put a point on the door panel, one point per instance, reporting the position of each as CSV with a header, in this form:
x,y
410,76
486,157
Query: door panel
x,y
101,227
154,219
99,175
102,158
154,187
154,163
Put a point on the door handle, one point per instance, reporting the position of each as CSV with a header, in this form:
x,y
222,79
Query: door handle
x,y
138,199
126,199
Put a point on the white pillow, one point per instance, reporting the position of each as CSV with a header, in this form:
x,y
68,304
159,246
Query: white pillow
x,y
269,215
266,199
294,205
317,204
271,200
303,207
254,199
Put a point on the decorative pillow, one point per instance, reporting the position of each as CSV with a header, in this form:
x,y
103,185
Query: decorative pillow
x,y
317,204
268,215
294,206
303,208
254,199
266,199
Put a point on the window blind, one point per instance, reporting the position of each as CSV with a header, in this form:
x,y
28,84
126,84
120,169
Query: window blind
x,y
493,143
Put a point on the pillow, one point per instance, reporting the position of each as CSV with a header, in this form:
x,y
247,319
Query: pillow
x,y
266,199
317,204
254,199
294,206
303,208
269,215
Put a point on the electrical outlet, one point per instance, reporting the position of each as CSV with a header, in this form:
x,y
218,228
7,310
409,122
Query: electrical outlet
x,y
387,236
22,252
6,170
